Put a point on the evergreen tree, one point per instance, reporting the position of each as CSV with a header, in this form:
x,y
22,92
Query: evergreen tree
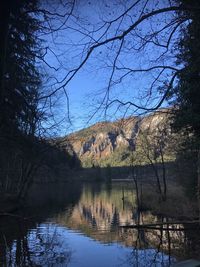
x,y
19,80
187,91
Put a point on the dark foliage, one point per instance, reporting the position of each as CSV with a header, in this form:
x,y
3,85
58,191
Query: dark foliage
x,y
187,92
23,155
19,80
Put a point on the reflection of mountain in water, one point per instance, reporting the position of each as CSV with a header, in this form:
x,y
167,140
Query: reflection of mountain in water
x,y
103,211
91,211
100,215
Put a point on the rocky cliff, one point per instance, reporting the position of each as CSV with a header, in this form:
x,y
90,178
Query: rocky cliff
x,y
104,141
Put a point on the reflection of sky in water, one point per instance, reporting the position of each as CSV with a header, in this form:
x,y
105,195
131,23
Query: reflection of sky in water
x,y
88,252
53,245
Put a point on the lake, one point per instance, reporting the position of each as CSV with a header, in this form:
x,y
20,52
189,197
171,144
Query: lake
x,y
82,225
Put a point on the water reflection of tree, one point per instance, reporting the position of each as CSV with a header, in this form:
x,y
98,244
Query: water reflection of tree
x,y
19,244
108,187
145,253
192,241
95,188
115,220
160,245
40,247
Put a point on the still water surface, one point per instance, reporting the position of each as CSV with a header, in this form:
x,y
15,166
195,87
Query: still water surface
x,y
79,225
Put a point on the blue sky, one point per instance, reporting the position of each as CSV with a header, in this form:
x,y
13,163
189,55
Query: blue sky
x,y
87,89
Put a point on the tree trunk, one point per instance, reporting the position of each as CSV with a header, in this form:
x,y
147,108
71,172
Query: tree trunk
x,y
198,185
4,27
164,175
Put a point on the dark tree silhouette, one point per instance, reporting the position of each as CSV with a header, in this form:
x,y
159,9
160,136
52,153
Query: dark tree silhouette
x,y
20,80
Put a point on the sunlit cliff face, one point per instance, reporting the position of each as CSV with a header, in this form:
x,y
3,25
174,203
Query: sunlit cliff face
x,y
102,139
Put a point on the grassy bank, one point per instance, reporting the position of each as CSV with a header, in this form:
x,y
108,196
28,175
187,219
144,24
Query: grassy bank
x,y
177,204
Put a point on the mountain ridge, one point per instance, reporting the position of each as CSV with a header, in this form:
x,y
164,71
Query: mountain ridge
x,y
96,144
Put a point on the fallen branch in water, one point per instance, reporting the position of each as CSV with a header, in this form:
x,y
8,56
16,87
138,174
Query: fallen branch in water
x,y
162,228
158,226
